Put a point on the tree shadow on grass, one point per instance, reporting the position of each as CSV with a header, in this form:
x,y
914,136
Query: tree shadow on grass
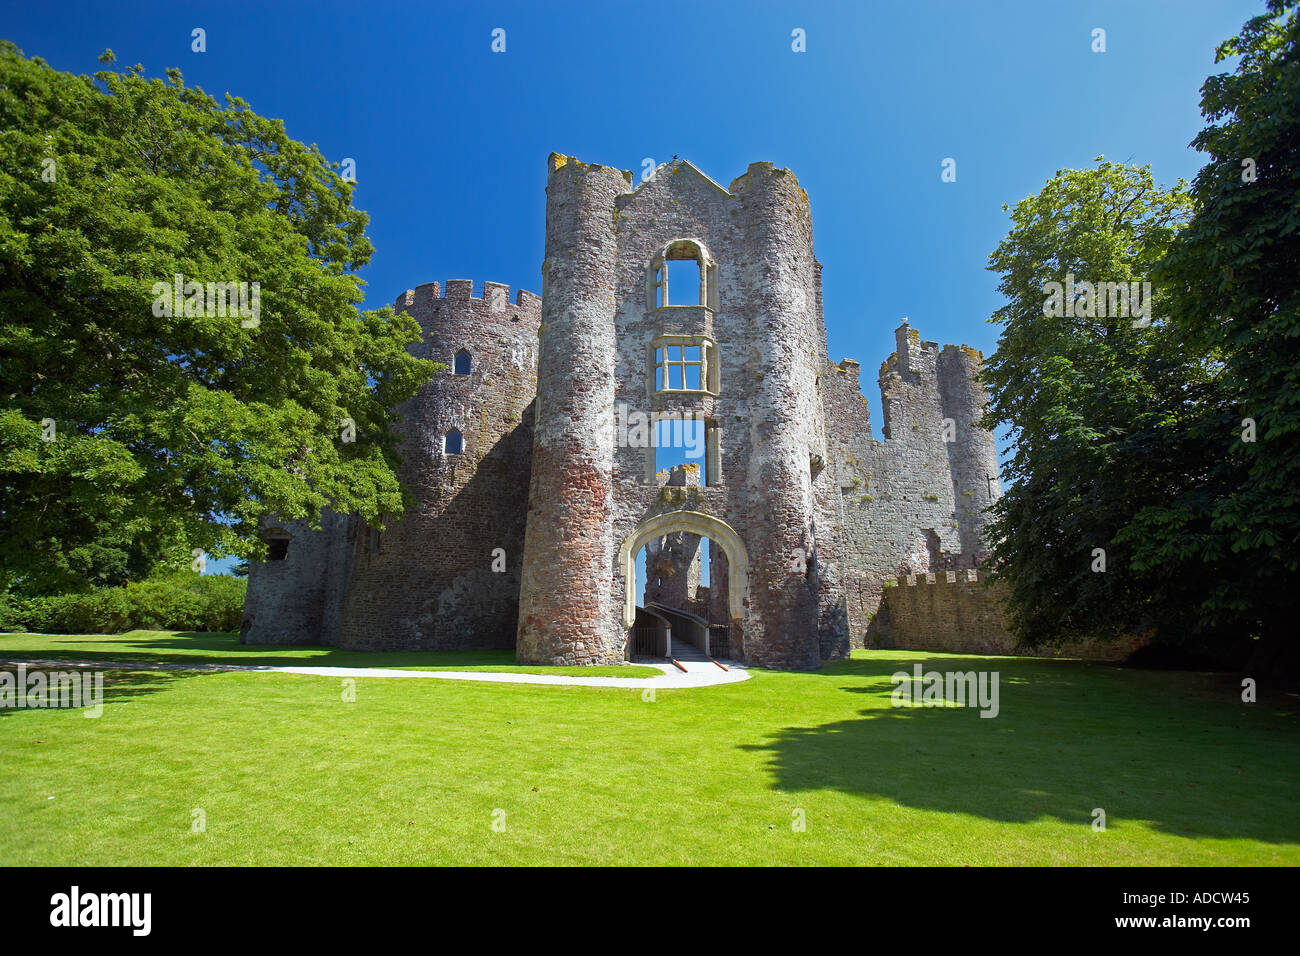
x,y
119,686
215,647
1173,750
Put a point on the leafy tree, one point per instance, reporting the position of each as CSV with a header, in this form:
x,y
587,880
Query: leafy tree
x,y
1086,388
177,426
1235,271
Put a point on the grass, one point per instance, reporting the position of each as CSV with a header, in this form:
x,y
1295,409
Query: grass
x,y
194,647
417,772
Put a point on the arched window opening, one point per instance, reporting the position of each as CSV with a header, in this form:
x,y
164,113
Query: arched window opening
x,y
454,443
463,362
683,274
687,570
684,280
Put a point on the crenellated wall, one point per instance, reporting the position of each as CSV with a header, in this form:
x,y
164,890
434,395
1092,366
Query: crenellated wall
x,y
957,612
913,502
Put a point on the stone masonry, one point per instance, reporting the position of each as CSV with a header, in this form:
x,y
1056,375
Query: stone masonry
x,y
536,486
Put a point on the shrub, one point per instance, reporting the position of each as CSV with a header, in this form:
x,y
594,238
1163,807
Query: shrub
x,y
178,602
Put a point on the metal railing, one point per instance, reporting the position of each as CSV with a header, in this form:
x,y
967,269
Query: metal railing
x,y
647,642
719,640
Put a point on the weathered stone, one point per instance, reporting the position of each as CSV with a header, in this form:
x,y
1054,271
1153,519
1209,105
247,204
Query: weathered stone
x,y
807,515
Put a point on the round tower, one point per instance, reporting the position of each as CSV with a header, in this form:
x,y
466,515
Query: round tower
x,y
972,454
567,613
445,575
786,435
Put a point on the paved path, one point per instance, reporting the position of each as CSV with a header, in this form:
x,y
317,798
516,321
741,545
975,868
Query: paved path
x,y
698,674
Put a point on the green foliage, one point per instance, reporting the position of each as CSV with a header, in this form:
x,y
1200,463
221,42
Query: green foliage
x,y
1079,394
180,431
1236,269
1132,440
183,601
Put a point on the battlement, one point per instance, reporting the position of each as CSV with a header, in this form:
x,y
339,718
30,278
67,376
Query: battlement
x,y
965,576
912,355
558,161
766,170
493,303
971,354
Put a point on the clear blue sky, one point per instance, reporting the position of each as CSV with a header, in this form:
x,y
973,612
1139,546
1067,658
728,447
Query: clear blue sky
x,y
450,139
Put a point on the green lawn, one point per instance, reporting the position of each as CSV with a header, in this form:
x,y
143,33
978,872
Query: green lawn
x,y
187,647
413,771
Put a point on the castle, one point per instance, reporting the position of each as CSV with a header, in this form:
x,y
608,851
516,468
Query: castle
x,y
535,494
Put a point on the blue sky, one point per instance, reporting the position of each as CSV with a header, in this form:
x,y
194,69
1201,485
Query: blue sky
x,y
450,139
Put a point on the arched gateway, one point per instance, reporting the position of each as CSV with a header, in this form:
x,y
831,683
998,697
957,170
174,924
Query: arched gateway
x,y
692,522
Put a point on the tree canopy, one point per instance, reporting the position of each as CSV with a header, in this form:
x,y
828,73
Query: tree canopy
x,y
1174,445
1234,274
141,409
1079,378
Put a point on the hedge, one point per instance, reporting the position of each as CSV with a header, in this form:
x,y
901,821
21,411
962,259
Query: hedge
x,y
179,602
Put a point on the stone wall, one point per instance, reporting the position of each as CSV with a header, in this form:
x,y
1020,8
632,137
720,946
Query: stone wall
x,y
955,612
912,503
428,581
299,600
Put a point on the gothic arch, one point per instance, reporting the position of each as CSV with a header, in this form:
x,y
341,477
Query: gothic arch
x,y
695,523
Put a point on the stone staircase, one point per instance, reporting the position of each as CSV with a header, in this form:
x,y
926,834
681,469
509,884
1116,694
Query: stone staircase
x,y
684,651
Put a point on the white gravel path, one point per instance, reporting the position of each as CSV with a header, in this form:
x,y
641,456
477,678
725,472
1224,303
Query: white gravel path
x,y
698,673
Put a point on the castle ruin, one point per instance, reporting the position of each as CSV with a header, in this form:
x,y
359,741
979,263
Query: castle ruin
x,y
536,486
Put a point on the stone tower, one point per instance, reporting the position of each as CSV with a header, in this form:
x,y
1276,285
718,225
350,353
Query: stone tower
x,y
611,324
567,614
445,574
673,311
